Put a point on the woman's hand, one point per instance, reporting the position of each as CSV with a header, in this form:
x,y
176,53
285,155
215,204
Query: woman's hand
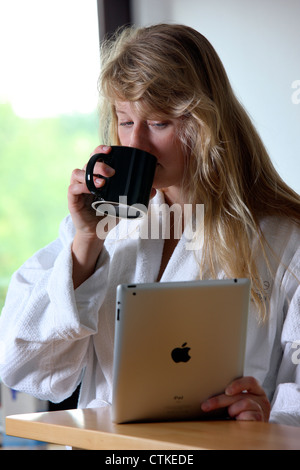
x,y
86,246
244,399
80,199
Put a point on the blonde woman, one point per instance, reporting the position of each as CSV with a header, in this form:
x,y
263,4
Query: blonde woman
x,y
163,89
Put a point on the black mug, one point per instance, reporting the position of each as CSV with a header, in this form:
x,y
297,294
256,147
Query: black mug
x,y
126,194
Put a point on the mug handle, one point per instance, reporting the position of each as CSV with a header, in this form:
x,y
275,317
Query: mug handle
x,y
89,173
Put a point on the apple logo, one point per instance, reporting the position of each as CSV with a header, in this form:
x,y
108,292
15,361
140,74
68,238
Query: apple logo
x,y
181,354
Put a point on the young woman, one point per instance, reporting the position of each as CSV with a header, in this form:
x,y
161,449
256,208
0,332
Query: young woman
x,y
164,90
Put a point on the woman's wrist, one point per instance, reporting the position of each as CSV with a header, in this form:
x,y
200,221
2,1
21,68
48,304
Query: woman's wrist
x,y
86,249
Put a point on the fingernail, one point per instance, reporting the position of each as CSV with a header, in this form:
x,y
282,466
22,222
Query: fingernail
x,y
205,406
110,171
99,181
105,147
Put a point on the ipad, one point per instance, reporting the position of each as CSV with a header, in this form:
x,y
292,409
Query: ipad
x,y
176,344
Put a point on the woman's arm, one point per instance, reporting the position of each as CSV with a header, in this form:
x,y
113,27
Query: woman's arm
x,y
86,246
52,305
46,326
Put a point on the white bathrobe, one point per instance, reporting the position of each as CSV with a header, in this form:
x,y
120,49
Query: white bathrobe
x,y
54,338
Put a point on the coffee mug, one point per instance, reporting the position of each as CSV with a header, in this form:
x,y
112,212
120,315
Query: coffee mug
x,y
126,194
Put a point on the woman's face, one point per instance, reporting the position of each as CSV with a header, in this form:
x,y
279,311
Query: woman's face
x,y
157,137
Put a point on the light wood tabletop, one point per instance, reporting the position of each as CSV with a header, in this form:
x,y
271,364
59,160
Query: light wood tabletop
x,y
93,429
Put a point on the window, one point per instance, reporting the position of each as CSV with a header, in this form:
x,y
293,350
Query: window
x,y
48,115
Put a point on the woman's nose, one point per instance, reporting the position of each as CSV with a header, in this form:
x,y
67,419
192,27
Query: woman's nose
x,y
139,138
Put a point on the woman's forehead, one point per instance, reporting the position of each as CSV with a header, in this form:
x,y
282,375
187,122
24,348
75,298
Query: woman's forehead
x,y
123,106
140,109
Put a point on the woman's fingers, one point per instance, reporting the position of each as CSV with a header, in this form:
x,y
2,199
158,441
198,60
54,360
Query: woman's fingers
x,y
80,199
101,168
249,384
101,149
238,407
246,409
78,183
244,399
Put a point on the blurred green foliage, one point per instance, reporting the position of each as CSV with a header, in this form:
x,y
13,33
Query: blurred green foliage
x,y
37,157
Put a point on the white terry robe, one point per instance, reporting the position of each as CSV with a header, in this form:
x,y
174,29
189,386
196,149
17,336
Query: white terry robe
x,y
56,338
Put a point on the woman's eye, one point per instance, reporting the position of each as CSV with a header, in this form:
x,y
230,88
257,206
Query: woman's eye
x,y
153,124
126,123
158,125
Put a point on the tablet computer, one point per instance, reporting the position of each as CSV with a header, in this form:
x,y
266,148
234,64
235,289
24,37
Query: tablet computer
x,y
176,344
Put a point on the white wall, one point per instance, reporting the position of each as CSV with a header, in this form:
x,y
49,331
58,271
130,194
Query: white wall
x,y
259,44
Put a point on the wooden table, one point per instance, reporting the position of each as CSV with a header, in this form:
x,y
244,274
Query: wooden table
x,y
93,429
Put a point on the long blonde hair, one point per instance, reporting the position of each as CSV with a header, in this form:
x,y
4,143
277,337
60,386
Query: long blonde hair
x,y
169,70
